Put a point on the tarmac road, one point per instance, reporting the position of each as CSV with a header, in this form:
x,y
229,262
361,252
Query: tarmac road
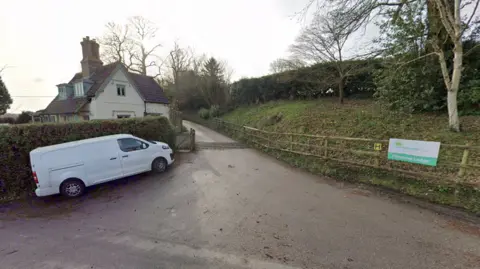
x,y
232,208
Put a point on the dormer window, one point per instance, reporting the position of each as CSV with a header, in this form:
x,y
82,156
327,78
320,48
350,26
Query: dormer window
x,y
62,93
79,89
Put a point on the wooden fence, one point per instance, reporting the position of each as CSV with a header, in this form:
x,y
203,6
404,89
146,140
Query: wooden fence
x,y
458,163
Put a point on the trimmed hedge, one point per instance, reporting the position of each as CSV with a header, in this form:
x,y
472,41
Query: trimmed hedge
x,y
17,141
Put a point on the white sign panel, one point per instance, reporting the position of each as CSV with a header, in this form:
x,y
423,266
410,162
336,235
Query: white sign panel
x,y
413,151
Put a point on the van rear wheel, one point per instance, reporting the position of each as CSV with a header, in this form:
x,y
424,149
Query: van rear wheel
x,y
159,165
72,188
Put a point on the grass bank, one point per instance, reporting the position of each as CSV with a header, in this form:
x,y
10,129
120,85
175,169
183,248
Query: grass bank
x,y
368,120
359,118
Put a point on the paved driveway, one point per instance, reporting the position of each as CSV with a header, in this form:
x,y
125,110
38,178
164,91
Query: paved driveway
x,y
232,208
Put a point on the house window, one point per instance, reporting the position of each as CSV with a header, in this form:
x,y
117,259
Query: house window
x,y
123,116
86,117
120,90
79,89
62,93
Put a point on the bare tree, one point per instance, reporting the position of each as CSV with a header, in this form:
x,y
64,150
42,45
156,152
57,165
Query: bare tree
x,y
132,44
281,65
117,45
144,32
323,41
179,60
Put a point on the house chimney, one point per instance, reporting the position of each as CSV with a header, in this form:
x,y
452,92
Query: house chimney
x,y
91,57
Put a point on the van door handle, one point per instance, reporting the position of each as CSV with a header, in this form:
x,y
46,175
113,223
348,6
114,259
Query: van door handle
x,y
113,158
124,156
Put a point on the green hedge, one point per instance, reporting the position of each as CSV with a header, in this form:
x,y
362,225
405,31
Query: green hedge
x,y
17,141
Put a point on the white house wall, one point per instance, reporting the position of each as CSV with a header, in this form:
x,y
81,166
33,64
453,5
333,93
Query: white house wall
x,y
154,108
108,105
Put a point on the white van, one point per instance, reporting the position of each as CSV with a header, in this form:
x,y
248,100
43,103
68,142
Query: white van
x,y
70,167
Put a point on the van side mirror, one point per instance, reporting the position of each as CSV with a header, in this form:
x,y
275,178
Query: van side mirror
x,y
144,146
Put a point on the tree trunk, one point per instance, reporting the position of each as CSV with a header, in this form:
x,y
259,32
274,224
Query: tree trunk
x,y
340,90
452,85
453,120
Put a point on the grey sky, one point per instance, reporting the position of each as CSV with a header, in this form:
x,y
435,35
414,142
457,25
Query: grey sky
x,y
41,39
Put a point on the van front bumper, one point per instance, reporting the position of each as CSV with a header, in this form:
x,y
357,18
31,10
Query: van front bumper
x,y
46,191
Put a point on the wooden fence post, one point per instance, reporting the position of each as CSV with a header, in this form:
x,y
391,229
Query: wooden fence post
x,y
268,139
377,159
291,142
325,145
244,134
192,139
466,152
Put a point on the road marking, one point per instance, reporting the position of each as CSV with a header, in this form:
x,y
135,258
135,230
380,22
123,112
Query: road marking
x,y
193,253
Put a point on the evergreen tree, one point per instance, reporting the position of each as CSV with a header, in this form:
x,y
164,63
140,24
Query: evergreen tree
x,y
214,86
5,99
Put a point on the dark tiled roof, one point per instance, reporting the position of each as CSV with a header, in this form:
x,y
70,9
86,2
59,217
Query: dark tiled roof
x,y
147,87
66,106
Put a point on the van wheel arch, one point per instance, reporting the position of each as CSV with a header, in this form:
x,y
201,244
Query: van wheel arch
x,y
73,183
159,165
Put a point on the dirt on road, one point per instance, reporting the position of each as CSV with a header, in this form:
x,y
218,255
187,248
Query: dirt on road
x,y
232,208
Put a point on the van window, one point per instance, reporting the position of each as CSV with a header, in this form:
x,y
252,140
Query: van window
x,y
131,144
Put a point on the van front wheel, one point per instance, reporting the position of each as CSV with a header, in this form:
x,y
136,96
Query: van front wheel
x,y
72,188
159,165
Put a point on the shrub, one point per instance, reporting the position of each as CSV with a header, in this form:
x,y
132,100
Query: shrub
x,y
204,113
17,141
214,111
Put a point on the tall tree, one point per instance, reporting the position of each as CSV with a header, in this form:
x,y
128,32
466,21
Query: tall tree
x,y
117,45
179,60
213,84
133,44
450,16
324,41
144,32
281,65
5,99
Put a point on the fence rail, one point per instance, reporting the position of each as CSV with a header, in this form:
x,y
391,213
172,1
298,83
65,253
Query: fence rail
x,y
458,163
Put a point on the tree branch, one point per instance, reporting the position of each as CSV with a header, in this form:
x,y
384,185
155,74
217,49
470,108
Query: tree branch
x,y
447,23
416,59
471,16
471,50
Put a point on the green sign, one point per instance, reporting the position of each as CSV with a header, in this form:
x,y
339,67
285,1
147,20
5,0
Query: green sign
x,y
414,151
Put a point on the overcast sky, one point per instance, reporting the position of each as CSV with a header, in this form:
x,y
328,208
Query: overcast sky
x,y
40,40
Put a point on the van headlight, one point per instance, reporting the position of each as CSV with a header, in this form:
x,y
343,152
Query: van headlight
x,y
165,147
